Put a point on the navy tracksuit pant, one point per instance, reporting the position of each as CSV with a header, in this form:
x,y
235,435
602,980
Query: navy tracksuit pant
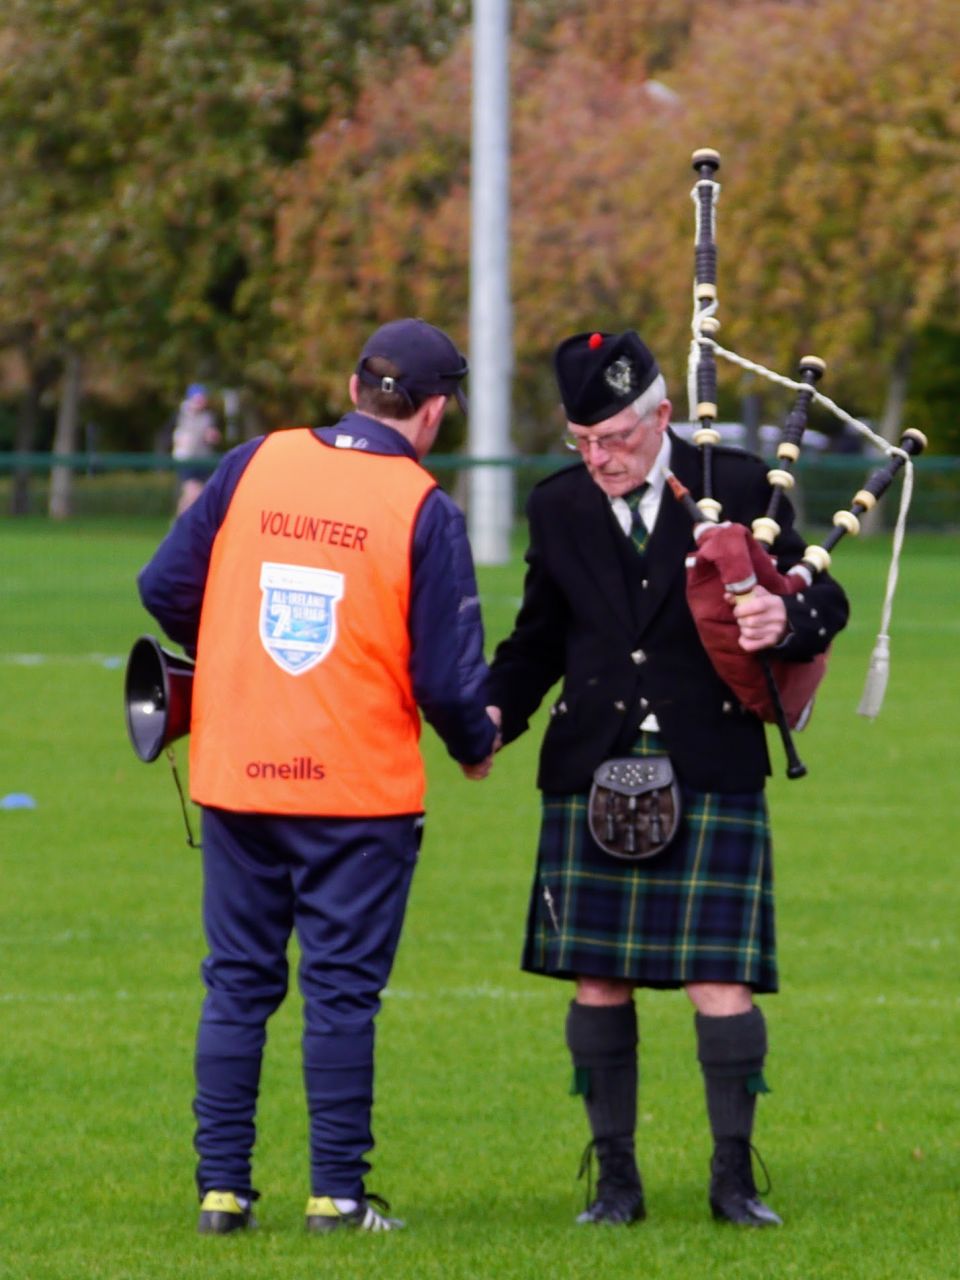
x,y
342,884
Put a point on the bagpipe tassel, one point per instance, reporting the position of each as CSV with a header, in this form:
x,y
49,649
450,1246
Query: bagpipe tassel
x,y
876,683
912,442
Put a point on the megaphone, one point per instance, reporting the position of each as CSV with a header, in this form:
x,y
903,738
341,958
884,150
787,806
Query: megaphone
x,y
158,691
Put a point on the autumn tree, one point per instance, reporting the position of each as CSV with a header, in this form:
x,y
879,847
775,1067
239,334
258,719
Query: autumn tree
x,y
840,139
231,99
142,144
375,221
56,277
589,197
242,199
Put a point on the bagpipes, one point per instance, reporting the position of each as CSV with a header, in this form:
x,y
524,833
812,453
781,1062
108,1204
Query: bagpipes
x,y
731,560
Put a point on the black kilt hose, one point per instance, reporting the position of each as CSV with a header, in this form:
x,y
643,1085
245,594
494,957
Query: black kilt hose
x,y
700,911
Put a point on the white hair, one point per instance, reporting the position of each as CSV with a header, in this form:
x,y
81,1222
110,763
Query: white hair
x,y
647,401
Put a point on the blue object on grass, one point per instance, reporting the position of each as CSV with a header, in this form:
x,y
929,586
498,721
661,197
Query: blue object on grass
x,y
18,800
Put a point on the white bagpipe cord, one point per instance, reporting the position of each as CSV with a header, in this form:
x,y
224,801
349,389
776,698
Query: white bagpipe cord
x,y
878,672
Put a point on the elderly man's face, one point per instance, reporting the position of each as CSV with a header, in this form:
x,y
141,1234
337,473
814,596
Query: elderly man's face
x,y
620,451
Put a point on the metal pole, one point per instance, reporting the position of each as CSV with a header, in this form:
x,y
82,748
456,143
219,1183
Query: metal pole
x,y
490,512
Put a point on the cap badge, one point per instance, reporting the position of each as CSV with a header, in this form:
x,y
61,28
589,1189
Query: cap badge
x,y
620,376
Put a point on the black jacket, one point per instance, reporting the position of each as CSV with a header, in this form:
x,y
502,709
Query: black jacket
x,y
618,632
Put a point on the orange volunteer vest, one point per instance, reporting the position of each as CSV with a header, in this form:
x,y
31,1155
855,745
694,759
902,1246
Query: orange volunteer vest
x,y
302,700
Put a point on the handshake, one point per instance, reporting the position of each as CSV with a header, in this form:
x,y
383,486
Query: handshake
x,y
480,770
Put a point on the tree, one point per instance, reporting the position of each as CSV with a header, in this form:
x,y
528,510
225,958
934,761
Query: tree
x,y
229,106
58,269
840,139
375,221
186,196
142,144
840,142
589,191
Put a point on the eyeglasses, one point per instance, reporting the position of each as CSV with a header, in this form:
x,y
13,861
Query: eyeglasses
x,y
615,442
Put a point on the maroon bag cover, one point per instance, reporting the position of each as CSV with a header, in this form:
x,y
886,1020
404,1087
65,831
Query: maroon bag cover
x,y
729,559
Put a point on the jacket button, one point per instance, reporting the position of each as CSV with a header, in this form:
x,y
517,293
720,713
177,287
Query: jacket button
x,y
644,703
727,707
638,656
620,706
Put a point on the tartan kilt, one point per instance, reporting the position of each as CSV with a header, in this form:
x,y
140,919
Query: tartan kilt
x,y
700,911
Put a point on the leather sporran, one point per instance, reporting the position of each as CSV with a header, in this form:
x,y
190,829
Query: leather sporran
x,y
633,810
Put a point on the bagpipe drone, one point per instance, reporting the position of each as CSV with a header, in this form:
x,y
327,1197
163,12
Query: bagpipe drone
x,y
731,560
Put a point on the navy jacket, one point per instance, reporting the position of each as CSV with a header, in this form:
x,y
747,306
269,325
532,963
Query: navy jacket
x,y
447,664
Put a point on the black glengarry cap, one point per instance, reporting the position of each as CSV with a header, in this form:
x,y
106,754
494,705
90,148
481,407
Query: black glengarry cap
x,y
601,373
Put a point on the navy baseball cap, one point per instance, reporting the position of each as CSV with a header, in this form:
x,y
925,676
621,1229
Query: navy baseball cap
x,y
429,362
601,373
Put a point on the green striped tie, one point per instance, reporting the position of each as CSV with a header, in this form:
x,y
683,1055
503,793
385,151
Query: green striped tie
x,y
639,533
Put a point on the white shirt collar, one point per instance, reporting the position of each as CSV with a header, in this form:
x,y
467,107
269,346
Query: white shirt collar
x,y
650,502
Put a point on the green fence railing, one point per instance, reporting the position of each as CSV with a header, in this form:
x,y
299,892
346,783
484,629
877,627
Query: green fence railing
x,y
145,483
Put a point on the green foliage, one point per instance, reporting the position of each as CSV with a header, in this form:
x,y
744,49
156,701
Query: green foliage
x,y
351,245
239,192
142,144
478,1141
840,146
932,404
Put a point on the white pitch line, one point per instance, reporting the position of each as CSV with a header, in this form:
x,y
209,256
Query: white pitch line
x,y
163,997
109,660
464,994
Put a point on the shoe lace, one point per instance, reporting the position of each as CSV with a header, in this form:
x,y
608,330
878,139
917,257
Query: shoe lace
x,y
376,1205
586,1169
616,1171
734,1166
762,1191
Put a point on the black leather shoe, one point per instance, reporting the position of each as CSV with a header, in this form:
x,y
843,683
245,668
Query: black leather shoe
x,y
619,1199
615,1206
733,1192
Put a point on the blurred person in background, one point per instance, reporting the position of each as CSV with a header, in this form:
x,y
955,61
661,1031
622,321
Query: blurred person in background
x,y
195,438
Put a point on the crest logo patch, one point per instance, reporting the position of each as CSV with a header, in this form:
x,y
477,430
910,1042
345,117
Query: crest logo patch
x,y
298,614
620,377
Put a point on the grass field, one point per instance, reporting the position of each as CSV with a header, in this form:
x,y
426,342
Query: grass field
x,y
478,1140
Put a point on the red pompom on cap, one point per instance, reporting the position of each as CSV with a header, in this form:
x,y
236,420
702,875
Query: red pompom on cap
x,y
595,340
